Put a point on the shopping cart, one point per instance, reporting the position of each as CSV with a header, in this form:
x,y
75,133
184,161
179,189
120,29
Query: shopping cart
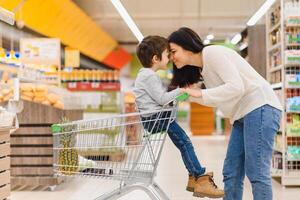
x,y
98,148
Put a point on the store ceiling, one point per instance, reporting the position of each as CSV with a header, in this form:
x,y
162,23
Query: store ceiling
x,y
224,18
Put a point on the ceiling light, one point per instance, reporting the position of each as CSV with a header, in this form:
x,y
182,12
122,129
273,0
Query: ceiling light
x,y
261,11
128,20
206,41
7,16
236,39
243,46
210,37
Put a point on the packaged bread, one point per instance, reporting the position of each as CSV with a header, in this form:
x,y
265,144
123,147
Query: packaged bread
x,y
26,98
46,102
27,87
7,96
40,94
53,98
6,91
39,99
28,94
59,105
41,88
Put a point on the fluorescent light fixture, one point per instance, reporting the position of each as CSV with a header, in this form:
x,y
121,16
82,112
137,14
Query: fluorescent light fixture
x,y
236,39
261,11
243,46
128,20
210,37
7,16
206,41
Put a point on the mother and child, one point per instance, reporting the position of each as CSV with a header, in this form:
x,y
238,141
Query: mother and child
x,y
231,85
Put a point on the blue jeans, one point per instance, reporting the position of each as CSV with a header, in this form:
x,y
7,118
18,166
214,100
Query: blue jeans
x,y
179,138
250,152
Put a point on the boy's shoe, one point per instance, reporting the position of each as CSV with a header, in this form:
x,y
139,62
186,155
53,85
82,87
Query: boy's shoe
x,y
192,182
206,187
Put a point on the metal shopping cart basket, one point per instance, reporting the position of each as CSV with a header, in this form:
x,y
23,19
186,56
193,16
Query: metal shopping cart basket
x,y
98,148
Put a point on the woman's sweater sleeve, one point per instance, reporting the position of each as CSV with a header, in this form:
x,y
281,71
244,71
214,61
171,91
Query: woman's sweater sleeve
x,y
233,86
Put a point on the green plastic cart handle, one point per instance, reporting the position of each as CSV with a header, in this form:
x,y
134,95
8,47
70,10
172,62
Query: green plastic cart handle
x,y
183,97
56,128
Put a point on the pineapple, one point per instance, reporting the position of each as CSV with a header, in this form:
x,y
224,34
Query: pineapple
x,y
68,157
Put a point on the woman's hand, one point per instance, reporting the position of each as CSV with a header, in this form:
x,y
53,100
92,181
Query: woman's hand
x,y
192,92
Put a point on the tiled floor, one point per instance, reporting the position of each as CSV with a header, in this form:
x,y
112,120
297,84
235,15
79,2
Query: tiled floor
x,y
171,177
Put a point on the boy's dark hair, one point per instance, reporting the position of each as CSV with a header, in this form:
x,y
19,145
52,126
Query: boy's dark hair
x,y
149,47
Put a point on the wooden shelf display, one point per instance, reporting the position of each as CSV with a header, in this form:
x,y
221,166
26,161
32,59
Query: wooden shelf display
x,y
32,146
4,164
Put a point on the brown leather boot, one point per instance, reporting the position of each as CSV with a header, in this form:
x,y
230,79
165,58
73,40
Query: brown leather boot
x,y
206,187
192,181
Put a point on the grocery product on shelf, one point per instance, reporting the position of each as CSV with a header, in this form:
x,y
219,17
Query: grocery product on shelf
x,y
292,56
293,153
91,80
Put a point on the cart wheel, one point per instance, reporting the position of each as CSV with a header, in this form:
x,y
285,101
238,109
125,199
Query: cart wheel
x,y
52,187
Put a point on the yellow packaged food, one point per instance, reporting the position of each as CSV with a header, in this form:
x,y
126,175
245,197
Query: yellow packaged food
x,y
41,88
40,94
59,105
5,92
46,102
39,100
27,87
26,98
53,98
28,94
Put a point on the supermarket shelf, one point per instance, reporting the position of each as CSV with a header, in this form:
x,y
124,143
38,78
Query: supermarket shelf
x,y
277,149
276,46
290,172
292,179
28,80
293,111
91,86
277,86
273,69
293,136
276,26
293,45
289,159
276,172
292,64
292,25
11,69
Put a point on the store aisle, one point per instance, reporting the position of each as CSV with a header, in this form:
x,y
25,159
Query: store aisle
x,y
171,176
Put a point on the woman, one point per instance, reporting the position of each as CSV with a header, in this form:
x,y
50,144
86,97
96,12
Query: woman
x,y
243,96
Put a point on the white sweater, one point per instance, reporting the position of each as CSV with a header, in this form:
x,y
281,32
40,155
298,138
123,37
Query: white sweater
x,y
232,84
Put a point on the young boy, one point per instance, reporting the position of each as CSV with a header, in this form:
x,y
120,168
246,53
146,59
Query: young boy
x,y
153,52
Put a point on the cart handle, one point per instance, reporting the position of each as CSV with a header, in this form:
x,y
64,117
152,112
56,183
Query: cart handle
x,y
182,97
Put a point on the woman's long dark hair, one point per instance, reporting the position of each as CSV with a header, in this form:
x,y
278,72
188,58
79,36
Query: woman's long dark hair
x,y
187,39
191,41
185,76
